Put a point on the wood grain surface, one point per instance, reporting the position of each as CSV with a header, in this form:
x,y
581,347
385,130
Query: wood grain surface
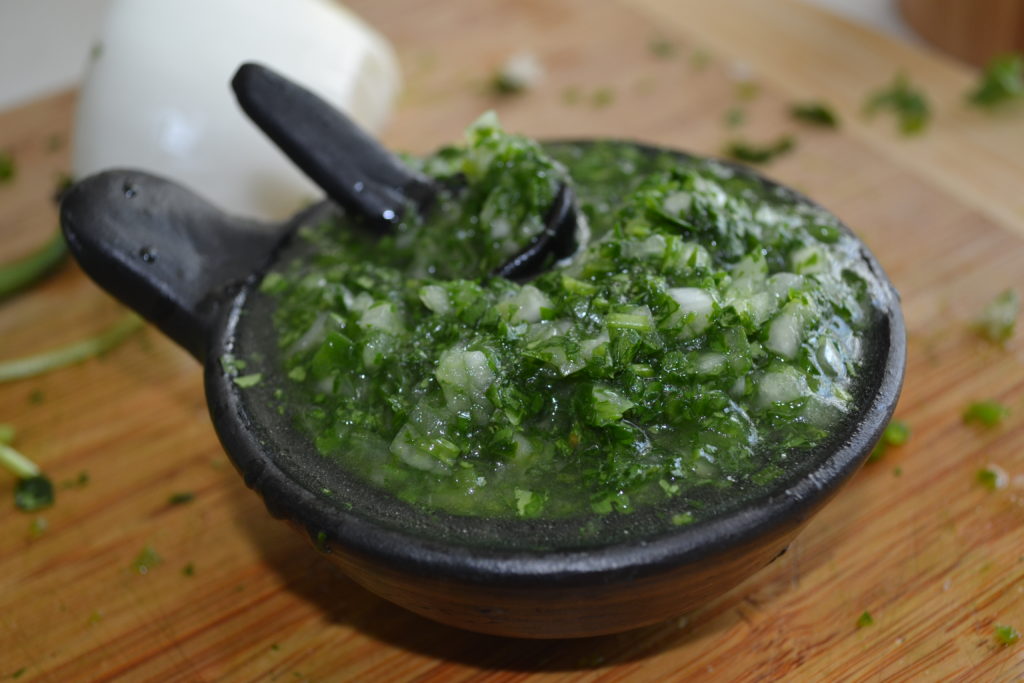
x,y
936,558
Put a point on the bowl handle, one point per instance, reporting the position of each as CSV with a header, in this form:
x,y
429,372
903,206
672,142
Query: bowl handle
x,y
164,251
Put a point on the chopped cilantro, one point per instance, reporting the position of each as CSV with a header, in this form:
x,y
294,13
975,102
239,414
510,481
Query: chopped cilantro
x,y
682,519
816,113
985,413
662,48
992,477
759,154
999,317
146,560
37,527
7,167
24,272
33,493
518,74
602,97
896,433
1002,81
1007,635
181,498
905,101
865,619
246,381
188,570
735,117
700,59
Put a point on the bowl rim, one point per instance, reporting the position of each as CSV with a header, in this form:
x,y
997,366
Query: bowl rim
x,y
331,528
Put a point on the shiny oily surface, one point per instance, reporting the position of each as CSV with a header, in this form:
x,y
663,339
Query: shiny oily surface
x,y
705,349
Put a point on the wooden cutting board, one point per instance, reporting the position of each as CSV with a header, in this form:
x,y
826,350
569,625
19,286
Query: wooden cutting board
x,y
936,558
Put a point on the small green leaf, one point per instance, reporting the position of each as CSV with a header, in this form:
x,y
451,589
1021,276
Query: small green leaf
x,y
246,381
1007,635
992,477
865,619
985,413
33,493
815,113
1001,82
181,498
742,150
906,102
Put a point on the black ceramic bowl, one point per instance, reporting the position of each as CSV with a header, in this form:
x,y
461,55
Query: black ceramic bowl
x,y
192,271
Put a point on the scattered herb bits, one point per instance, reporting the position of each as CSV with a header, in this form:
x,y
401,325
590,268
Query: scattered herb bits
x,y
752,153
896,433
986,413
33,493
181,498
993,477
146,560
1007,635
999,317
865,619
1001,82
815,113
519,73
907,103
7,167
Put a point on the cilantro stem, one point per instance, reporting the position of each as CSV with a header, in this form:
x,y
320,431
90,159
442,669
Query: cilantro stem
x,y
17,464
29,366
21,273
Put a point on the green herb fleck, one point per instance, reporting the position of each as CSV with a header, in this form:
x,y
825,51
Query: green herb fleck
x,y
992,477
907,103
55,142
759,154
20,368
275,647
36,397
602,97
518,74
815,113
735,117
321,542
18,275
985,413
33,493
246,381
682,519
7,168
999,317
700,59
188,570
896,433
146,560
181,498
95,617
81,481
747,89
20,672
1007,635
865,619
232,365
1002,81
897,471
662,48
7,434
37,527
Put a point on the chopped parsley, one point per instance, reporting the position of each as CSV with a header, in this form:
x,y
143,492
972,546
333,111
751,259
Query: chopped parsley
x,y
896,433
146,560
188,570
985,413
7,167
181,498
999,317
33,493
1001,82
865,619
742,150
815,113
700,343
662,48
992,477
903,100
1007,635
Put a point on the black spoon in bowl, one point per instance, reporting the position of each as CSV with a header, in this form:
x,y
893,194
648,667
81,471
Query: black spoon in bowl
x,y
366,179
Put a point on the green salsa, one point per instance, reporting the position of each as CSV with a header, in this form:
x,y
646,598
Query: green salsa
x,y
707,335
